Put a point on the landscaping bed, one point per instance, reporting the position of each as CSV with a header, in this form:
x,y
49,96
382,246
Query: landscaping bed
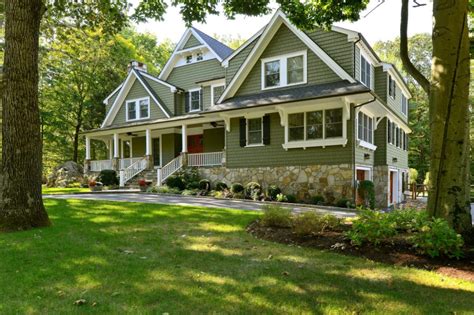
x,y
397,250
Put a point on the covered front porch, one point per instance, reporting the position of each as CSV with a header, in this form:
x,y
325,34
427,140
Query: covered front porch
x,y
164,150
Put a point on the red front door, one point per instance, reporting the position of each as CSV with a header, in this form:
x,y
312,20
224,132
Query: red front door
x,y
391,186
195,144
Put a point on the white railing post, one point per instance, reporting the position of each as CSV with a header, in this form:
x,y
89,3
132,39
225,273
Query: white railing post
x,y
158,176
122,178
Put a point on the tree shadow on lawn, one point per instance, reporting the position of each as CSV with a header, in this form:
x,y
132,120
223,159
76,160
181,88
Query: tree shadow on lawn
x,y
136,258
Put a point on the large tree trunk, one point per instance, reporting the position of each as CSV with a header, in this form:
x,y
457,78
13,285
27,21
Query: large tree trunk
x,y
21,204
449,115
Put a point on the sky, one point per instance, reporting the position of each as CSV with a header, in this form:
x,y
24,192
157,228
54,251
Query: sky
x,y
381,24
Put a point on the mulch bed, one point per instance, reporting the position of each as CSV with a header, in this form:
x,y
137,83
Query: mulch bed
x,y
397,252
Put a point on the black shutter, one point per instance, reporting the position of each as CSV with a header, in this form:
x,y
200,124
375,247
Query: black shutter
x,y
243,131
266,129
389,124
186,102
201,101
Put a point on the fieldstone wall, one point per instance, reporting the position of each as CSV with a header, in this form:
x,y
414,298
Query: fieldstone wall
x,y
331,181
380,177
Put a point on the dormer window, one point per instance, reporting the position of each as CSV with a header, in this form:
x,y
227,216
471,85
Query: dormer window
x,y
189,58
284,70
199,56
392,87
138,109
365,72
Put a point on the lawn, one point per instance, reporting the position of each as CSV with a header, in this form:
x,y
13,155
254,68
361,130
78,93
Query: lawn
x,y
60,191
144,258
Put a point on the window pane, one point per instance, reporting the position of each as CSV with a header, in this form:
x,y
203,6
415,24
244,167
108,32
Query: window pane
x,y
272,73
334,123
295,69
371,121
296,127
314,125
195,100
254,131
132,114
143,108
255,124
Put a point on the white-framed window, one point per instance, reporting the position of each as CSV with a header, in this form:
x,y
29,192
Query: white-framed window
x,y
189,58
195,100
216,92
365,128
285,70
138,109
392,87
254,131
365,72
314,125
199,56
404,105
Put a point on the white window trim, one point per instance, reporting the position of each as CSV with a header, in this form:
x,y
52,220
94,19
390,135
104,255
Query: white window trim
x,y
284,69
212,91
190,103
404,98
362,55
137,109
367,169
388,86
361,142
247,145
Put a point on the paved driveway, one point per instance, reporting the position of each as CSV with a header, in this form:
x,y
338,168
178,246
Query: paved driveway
x,y
193,201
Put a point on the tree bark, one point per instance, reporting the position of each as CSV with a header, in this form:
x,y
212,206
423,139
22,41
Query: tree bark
x,y
21,204
77,131
449,115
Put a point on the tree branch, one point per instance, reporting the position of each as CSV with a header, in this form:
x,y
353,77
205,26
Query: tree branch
x,y
407,64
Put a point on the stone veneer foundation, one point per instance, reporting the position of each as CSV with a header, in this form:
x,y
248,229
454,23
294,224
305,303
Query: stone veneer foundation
x,y
380,177
331,181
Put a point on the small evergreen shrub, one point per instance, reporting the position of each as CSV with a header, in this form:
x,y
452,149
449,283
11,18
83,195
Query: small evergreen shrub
x,y
311,223
237,188
367,193
176,182
317,200
253,190
108,177
409,220
221,186
343,203
273,191
291,198
276,216
205,184
192,185
373,227
436,238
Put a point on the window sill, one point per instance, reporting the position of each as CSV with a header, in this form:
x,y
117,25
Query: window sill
x,y
254,145
137,119
366,145
283,86
194,111
314,143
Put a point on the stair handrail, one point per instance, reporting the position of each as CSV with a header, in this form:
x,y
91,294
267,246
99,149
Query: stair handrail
x,y
133,170
169,169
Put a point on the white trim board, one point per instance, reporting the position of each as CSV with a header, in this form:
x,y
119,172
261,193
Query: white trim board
x,y
277,20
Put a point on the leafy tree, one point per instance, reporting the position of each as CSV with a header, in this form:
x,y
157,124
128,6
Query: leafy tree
x,y
420,53
230,41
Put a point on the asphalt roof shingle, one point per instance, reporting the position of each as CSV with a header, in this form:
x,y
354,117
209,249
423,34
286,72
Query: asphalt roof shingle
x,y
222,50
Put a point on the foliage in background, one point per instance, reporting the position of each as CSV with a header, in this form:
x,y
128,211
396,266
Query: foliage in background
x,y
420,49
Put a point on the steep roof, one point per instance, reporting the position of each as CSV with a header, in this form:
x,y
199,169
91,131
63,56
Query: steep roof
x,y
219,48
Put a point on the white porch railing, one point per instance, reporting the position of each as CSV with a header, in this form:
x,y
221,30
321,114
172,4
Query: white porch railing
x,y
205,159
128,173
169,169
99,165
125,163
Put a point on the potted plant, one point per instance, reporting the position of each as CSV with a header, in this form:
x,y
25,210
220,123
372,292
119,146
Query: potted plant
x,y
143,185
95,186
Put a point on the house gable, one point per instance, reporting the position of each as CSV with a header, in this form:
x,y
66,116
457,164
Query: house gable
x,y
191,42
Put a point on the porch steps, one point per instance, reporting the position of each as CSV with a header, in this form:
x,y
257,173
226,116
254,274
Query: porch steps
x,y
148,175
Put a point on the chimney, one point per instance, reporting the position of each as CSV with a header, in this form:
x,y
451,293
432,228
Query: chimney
x,y
137,65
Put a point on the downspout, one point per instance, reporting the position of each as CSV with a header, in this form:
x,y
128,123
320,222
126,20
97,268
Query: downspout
x,y
354,135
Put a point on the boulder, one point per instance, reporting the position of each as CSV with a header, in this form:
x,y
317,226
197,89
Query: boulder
x,y
66,174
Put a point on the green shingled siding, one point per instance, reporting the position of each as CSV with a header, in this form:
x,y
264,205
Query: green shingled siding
x,y
186,77
399,154
238,60
336,46
138,91
213,140
111,102
206,97
192,42
274,154
380,137
357,63
381,83
396,104
285,42
165,96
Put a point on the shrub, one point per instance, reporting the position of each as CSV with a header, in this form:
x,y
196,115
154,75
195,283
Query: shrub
x,y
427,181
343,203
412,176
108,177
175,182
273,191
163,190
220,186
317,200
281,198
437,238
410,220
205,184
192,185
237,188
276,216
371,226
367,193
74,185
253,190
291,198
310,223
189,192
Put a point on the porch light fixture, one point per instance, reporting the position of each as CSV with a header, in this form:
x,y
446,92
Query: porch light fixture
x,y
366,156
394,160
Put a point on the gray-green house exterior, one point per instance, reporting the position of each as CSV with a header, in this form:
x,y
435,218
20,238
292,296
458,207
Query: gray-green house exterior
x,y
231,94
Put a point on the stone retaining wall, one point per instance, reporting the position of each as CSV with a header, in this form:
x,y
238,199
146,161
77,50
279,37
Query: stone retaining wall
x,y
331,181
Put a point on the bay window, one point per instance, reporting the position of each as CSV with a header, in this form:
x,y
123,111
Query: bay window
x,y
138,109
285,70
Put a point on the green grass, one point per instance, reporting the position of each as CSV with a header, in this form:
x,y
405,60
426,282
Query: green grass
x,y
60,191
154,259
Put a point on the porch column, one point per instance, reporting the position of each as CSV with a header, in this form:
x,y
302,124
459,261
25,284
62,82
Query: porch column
x,y
148,150
115,160
87,162
111,149
184,145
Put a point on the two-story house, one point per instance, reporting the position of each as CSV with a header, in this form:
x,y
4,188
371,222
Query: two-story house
x,y
312,112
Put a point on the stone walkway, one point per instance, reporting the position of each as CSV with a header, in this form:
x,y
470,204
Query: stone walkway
x,y
196,201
